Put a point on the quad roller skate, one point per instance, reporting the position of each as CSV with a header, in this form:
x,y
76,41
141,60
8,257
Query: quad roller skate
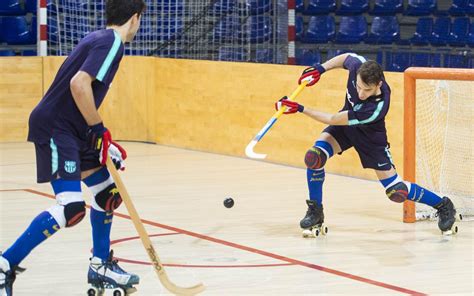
x,y
446,217
312,223
107,278
7,276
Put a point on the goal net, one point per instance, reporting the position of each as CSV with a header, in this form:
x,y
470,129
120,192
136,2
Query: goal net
x,y
226,30
440,154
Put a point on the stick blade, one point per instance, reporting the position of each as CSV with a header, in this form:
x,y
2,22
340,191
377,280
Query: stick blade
x,y
250,153
185,291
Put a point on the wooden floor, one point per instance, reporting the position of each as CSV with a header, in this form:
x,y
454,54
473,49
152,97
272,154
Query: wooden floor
x,y
254,248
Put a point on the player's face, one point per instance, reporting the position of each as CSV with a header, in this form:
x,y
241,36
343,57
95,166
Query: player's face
x,y
365,90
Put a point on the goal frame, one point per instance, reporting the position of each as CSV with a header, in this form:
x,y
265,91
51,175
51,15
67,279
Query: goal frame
x,y
411,75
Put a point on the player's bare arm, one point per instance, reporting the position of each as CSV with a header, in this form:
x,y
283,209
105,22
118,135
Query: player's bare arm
x,y
81,89
336,62
340,118
313,74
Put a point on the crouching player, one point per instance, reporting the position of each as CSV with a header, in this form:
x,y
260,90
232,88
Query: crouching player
x,y
360,124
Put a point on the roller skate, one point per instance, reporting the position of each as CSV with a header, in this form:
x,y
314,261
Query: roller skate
x,y
7,276
312,223
104,276
446,217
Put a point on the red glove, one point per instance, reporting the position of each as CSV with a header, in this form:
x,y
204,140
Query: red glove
x,y
312,74
291,107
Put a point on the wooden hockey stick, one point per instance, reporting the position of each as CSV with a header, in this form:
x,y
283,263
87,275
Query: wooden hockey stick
x,y
155,260
249,149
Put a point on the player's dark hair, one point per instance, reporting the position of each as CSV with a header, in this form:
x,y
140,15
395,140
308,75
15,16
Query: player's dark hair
x,y
118,12
370,72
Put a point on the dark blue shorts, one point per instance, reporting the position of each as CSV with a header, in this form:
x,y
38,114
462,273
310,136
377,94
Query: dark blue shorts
x,y
64,157
373,152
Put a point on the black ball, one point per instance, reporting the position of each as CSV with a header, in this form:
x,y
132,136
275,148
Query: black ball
x,y
228,202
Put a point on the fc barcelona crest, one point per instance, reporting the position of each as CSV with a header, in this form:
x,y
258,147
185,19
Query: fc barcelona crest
x,y
70,166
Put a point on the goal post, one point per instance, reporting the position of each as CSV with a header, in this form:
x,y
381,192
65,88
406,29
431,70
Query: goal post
x,y
438,135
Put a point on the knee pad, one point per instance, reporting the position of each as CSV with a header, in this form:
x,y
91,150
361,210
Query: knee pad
x,y
74,213
315,158
109,198
397,192
68,215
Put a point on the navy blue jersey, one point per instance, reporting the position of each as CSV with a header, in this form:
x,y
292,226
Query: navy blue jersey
x,y
366,116
98,54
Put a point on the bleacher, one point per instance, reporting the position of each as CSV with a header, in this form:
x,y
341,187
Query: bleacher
x,y
18,27
397,33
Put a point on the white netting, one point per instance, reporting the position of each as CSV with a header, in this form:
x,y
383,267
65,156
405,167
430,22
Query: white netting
x,y
445,142
228,30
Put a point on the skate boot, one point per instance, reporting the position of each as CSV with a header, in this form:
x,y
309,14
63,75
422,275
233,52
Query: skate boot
x,y
446,216
312,223
107,274
7,276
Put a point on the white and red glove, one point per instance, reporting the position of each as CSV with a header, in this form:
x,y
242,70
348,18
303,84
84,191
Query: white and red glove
x,y
100,140
312,74
118,155
291,106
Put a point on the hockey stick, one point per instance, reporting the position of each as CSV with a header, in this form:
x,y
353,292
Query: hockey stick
x,y
156,262
249,149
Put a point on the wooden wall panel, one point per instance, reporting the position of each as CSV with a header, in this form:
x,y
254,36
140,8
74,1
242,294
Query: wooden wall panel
x,y
128,109
20,89
51,67
210,106
220,106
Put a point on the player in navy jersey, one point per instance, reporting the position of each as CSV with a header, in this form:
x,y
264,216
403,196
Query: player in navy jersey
x,y
359,124
72,145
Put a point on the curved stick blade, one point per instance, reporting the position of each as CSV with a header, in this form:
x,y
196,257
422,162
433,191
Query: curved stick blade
x,y
250,153
188,291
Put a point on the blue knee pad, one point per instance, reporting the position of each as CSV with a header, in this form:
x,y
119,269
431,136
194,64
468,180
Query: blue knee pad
x,y
317,155
397,192
395,188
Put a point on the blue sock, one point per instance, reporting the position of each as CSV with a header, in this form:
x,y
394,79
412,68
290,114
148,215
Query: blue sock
x,y
42,227
423,195
386,182
315,184
416,193
101,225
101,221
316,178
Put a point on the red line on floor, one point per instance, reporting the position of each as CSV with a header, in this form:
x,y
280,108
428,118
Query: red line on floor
x,y
121,240
263,253
137,237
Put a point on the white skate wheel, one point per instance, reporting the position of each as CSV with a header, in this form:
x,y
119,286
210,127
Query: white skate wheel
x,y
316,232
307,233
324,230
92,292
455,229
118,292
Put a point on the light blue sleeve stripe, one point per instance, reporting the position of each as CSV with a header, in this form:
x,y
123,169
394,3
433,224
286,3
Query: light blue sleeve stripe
x,y
110,57
54,156
371,118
